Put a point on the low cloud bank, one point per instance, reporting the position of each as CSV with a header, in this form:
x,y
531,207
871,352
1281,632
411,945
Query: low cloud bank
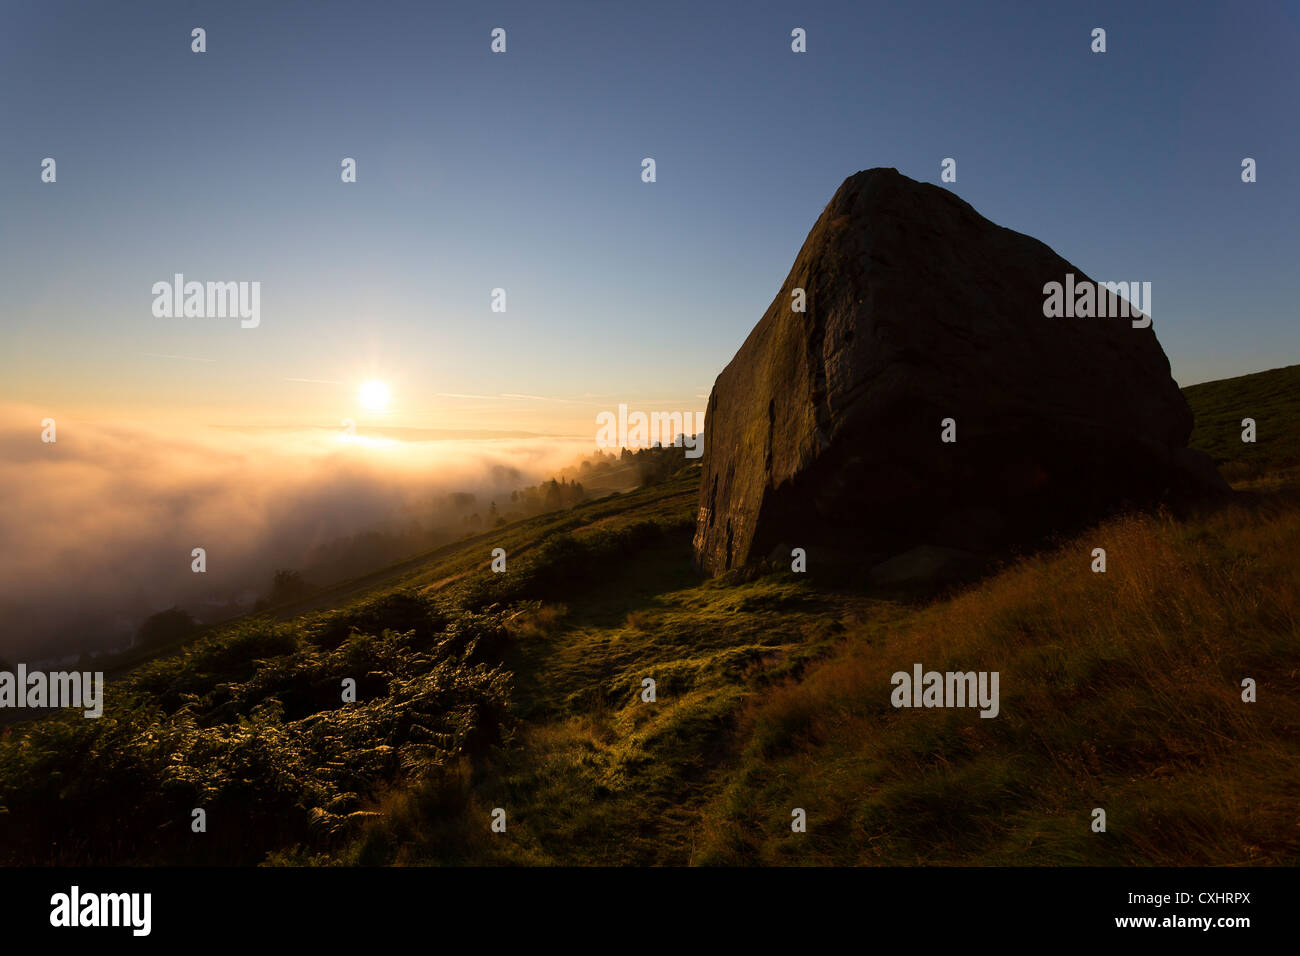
x,y
97,528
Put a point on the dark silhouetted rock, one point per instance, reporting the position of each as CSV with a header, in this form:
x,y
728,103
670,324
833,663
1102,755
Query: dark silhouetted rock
x,y
824,431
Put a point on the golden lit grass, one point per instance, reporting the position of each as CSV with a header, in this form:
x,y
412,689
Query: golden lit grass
x,y
1119,690
537,621
596,775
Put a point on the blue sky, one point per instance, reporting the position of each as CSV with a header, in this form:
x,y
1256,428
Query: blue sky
x,y
522,171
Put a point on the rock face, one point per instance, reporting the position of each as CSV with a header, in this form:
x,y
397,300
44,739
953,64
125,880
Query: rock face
x,y
824,432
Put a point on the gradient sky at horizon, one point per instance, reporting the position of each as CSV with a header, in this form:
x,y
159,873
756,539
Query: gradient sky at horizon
x,y
522,171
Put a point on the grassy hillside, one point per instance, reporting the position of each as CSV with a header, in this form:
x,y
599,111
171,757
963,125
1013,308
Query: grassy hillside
x,y
1119,691
1272,399
522,691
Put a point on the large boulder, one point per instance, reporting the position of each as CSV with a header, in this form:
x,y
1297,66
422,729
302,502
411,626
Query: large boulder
x,y
824,431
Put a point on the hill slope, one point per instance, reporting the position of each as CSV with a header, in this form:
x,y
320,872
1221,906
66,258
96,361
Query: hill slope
x,y
1272,399
523,691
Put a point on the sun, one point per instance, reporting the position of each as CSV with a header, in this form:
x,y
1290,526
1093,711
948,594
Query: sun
x,y
374,395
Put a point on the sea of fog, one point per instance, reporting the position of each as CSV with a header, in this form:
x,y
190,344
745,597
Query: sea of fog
x,y
98,528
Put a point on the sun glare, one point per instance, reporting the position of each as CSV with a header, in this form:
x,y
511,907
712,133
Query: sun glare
x,y
374,395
